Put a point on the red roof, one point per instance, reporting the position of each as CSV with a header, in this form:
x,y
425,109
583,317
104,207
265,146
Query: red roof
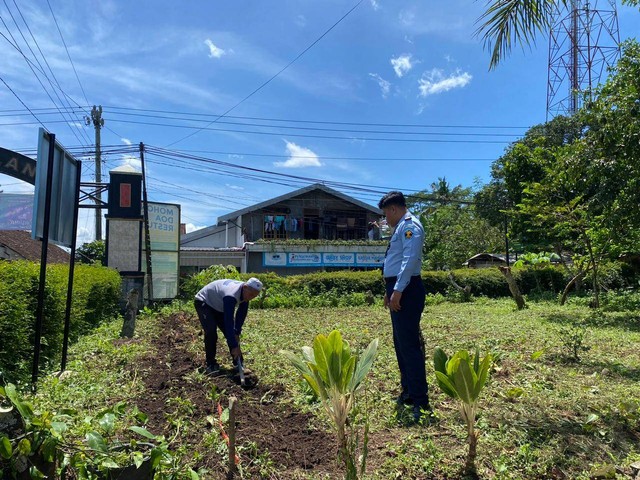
x,y
20,242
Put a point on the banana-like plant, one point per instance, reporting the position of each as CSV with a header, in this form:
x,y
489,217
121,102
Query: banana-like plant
x,y
335,374
463,377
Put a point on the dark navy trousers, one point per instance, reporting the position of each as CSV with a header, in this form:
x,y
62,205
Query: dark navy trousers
x,y
210,320
408,341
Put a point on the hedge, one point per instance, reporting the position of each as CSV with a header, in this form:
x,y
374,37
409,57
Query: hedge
x,y
317,288
96,293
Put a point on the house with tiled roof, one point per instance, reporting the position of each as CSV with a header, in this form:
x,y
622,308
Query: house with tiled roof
x,y
18,245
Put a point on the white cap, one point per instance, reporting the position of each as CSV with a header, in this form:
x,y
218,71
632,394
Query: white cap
x,y
254,283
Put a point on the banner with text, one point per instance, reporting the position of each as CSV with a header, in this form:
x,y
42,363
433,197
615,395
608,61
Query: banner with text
x,y
322,259
16,211
164,234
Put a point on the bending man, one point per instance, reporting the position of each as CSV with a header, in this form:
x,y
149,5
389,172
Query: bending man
x,y
216,306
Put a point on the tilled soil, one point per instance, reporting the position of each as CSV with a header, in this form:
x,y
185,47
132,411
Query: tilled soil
x,y
268,427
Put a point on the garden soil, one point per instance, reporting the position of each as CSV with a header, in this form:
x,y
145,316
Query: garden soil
x,y
268,427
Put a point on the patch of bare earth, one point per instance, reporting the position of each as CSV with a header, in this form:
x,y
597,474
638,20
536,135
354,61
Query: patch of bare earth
x,y
266,423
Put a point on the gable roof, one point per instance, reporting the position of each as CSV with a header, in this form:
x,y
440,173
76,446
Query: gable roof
x,y
20,242
295,193
204,232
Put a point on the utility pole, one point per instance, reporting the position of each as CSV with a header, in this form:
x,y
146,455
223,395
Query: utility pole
x,y
98,123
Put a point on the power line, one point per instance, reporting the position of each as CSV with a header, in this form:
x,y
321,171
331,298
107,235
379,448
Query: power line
x,y
20,100
264,84
322,122
269,119
322,129
67,50
53,87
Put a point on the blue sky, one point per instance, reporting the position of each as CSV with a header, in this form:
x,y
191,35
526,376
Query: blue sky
x,y
388,66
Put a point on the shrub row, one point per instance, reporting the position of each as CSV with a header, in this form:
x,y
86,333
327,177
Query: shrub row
x,y
347,286
96,291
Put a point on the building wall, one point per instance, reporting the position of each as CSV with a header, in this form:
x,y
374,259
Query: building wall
x,y
194,261
323,217
217,239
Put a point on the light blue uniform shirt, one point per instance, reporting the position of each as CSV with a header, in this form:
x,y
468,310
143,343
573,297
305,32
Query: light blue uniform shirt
x,y
404,255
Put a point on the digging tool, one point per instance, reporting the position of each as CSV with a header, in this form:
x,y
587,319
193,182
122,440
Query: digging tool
x,y
241,372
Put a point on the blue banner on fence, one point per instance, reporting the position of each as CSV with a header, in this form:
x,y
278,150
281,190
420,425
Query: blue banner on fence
x,y
322,259
16,211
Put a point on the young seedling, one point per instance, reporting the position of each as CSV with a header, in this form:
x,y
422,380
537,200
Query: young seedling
x,y
462,377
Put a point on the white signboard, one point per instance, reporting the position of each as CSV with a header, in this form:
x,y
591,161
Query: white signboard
x,y
64,187
369,259
274,259
339,259
164,234
310,259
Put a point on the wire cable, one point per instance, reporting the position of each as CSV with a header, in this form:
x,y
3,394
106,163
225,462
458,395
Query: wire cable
x,y
67,50
264,84
53,87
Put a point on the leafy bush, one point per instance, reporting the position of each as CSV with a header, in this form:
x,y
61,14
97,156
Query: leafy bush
x,y
95,299
357,288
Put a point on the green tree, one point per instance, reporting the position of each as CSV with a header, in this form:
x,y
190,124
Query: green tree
x,y
589,192
453,229
523,162
93,252
507,23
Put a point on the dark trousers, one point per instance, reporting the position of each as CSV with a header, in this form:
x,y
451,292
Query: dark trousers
x,y
210,320
408,341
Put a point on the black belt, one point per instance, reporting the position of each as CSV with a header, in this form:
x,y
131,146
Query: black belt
x,y
395,279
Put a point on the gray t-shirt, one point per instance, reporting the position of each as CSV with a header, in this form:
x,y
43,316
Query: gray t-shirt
x,y
214,293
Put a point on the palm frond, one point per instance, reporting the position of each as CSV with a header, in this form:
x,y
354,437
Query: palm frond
x,y
507,23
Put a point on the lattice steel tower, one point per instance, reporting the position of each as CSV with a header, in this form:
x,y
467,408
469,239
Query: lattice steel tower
x,y
583,42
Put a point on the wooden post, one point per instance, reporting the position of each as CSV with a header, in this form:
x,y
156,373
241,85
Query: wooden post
x,y
232,438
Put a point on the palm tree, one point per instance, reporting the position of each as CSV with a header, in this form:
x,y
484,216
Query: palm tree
x,y
510,22
507,23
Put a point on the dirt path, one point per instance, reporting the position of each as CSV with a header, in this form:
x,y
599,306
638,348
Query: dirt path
x,y
266,421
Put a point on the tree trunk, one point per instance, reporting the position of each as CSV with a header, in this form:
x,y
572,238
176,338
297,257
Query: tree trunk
x,y
596,289
466,291
570,285
513,287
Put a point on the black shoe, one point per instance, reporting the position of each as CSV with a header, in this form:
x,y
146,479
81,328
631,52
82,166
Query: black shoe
x,y
404,399
423,415
213,370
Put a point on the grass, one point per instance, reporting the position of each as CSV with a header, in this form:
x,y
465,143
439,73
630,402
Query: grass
x,y
542,415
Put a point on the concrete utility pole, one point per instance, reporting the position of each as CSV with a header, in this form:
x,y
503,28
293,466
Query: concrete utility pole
x,y
98,123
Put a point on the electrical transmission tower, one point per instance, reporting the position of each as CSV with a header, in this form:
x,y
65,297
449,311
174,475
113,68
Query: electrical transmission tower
x,y
584,41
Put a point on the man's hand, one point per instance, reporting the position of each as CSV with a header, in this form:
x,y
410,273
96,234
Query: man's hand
x,y
386,301
236,353
394,301
238,339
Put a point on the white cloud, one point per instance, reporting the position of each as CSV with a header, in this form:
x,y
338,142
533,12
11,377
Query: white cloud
x,y
435,82
375,4
192,228
126,141
384,85
299,157
234,187
214,52
301,21
402,64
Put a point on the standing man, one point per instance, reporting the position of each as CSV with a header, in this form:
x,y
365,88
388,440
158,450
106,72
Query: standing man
x,y
405,296
216,304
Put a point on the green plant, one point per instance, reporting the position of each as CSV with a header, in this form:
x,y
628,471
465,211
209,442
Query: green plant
x,y
572,338
46,448
335,375
463,377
